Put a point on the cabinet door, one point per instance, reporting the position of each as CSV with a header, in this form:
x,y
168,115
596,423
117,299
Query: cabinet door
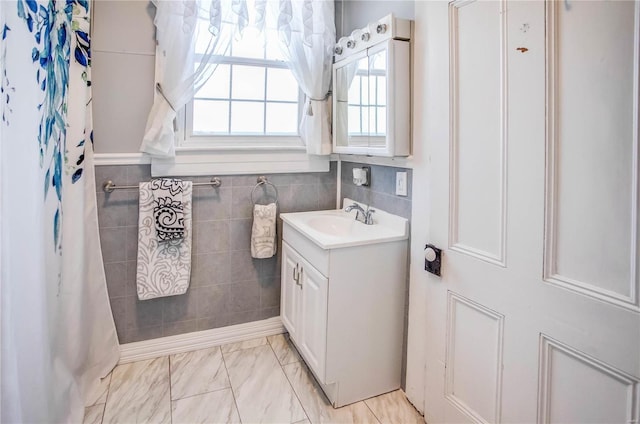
x,y
290,291
314,317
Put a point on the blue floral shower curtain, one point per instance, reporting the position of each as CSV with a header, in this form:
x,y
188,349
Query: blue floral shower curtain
x,y
58,335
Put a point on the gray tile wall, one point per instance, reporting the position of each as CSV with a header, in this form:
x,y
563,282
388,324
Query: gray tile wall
x,y
381,191
227,286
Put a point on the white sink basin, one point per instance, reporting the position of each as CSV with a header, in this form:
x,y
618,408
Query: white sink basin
x,y
333,225
335,228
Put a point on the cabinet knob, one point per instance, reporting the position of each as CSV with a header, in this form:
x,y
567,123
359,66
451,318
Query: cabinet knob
x,y
351,44
338,50
365,36
381,28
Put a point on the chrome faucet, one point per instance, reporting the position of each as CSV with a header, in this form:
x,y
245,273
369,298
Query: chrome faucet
x,y
361,215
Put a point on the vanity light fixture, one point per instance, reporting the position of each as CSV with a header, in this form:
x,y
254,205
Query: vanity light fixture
x,y
361,39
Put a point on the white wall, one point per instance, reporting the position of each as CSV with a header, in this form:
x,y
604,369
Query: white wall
x,y
352,14
123,61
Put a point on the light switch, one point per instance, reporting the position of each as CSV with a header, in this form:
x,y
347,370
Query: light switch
x,y
401,183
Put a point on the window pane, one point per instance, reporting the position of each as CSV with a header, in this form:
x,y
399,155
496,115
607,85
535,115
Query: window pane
x,y
210,116
365,120
363,66
378,61
218,85
354,120
281,85
382,90
248,82
382,120
372,91
247,117
273,49
250,45
282,118
354,91
203,37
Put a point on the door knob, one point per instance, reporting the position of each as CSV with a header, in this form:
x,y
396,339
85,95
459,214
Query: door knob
x,y
432,259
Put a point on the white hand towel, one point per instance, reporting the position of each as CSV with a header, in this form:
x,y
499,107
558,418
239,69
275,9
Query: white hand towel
x,y
263,232
163,268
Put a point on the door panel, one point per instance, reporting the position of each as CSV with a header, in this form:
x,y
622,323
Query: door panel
x,y
474,328
289,303
613,393
593,115
478,130
314,317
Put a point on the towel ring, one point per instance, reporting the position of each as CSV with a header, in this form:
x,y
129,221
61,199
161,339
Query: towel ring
x,y
262,180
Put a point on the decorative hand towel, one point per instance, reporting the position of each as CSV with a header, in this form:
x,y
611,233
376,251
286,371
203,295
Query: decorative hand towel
x,y
168,209
163,268
263,232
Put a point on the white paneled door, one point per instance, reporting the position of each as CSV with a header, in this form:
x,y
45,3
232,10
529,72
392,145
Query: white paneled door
x,y
533,197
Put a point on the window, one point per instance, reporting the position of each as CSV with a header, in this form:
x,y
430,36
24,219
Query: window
x,y
247,111
251,97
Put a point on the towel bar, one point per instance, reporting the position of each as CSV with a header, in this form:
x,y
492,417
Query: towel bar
x,y
108,186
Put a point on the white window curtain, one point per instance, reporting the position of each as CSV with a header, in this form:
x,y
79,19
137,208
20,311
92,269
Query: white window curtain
x,y
307,36
193,34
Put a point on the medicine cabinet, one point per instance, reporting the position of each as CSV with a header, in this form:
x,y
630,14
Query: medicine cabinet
x,y
372,96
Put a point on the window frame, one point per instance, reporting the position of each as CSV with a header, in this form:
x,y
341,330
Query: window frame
x,y
187,140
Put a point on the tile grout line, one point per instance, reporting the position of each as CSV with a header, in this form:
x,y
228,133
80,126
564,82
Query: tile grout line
x,y
108,390
104,408
203,393
369,408
233,394
106,399
170,384
289,381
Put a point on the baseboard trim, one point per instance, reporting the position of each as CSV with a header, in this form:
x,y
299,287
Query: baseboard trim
x,y
154,348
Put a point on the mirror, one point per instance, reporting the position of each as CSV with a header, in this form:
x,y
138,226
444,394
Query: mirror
x,y
372,101
378,99
350,78
361,100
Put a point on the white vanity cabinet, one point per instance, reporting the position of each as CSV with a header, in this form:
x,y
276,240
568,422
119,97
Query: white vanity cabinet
x,y
304,306
344,310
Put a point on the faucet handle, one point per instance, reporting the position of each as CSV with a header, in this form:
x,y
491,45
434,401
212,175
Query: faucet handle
x,y
368,219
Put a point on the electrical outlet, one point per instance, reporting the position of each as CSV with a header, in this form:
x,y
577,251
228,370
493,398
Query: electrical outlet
x,y
401,183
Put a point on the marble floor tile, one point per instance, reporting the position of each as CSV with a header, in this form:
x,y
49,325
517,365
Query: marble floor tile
x,y
99,392
214,407
394,407
197,372
139,393
93,414
317,406
262,392
285,350
247,344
